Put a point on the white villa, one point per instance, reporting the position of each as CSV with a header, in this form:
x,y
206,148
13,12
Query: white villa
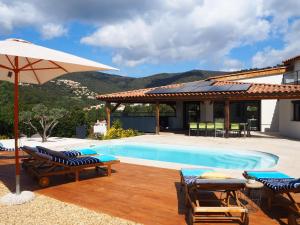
x,y
270,98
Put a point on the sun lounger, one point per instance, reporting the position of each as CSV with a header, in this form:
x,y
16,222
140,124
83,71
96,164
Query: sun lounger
x,y
43,163
224,208
72,153
277,183
2,148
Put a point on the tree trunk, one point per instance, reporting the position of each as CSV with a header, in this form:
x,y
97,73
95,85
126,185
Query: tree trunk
x,y
44,136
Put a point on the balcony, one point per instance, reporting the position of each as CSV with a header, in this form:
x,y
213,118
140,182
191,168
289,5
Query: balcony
x,y
292,77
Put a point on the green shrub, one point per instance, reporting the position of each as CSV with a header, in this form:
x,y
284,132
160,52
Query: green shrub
x,y
117,124
129,133
113,133
2,137
116,131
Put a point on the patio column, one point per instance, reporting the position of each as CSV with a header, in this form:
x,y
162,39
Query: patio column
x,y
107,110
157,117
227,118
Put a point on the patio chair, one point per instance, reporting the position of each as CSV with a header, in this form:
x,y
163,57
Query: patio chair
x,y
210,127
193,126
202,127
220,209
235,128
43,163
219,128
277,183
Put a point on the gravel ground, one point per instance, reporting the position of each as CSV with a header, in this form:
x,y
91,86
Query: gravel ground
x,y
44,210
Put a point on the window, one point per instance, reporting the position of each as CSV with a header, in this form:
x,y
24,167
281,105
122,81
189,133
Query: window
x,y
296,106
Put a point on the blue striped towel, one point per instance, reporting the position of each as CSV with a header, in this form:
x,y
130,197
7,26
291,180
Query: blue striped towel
x,y
283,184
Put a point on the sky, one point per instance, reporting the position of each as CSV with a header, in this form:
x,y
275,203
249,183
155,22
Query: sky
x,y
142,37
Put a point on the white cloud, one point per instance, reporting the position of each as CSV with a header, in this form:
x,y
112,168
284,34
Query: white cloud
x,y
232,65
156,31
17,15
50,30
271,56
195,31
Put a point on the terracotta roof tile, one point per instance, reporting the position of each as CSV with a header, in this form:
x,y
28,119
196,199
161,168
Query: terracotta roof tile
x,y
262,90
287,61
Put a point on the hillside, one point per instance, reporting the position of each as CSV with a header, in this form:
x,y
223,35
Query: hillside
x,y
107,83
80,89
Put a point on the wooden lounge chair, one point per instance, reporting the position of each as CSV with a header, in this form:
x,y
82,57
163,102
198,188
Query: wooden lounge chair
x,y
225,208
277,183
42,165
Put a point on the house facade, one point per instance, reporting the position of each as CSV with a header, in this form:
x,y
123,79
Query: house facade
x,y
268,98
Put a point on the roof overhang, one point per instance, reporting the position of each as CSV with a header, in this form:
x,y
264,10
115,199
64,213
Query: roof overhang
x,y
255,92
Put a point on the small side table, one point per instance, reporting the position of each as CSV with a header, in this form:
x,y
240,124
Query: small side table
x,y
254,191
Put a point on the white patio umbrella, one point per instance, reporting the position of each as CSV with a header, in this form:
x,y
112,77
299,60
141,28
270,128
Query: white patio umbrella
x,y
24,62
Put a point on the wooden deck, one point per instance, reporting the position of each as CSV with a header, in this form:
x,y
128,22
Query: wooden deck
x,y
143,194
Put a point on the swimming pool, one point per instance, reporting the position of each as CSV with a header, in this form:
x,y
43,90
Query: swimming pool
x,y
220,158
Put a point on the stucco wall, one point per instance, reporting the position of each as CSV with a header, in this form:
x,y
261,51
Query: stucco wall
x,y
177,122
274,79
269,116
206,111
269,108
288,127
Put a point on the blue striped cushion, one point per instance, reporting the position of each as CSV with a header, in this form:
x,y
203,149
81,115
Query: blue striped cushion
x,y
281,184
7,149
81,152
72,153
2,148
76,161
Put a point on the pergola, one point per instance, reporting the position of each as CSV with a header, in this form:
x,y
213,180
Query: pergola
x,y
254,92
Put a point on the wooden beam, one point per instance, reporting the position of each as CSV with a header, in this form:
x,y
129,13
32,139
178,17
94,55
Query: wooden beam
x,y
115,108
227,118
108,112
157,117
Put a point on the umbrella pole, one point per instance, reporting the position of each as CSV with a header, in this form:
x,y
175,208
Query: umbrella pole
x,y
16,124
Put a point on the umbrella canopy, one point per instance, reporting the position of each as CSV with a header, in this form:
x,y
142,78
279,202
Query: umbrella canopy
x,y
22,61
37,64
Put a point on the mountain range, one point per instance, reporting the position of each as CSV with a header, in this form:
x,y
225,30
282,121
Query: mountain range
x,y
80,89
107,83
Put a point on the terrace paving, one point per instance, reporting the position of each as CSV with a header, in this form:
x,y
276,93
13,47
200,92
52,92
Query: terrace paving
x,y
151,194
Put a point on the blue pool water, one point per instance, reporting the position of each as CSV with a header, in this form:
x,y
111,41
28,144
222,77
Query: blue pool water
x,y
220,158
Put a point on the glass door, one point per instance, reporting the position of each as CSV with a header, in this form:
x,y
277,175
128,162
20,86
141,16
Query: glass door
x,y
252,111
191,113
246,112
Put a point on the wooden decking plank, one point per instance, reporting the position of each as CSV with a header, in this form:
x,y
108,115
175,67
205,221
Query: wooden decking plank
x,y
143,194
